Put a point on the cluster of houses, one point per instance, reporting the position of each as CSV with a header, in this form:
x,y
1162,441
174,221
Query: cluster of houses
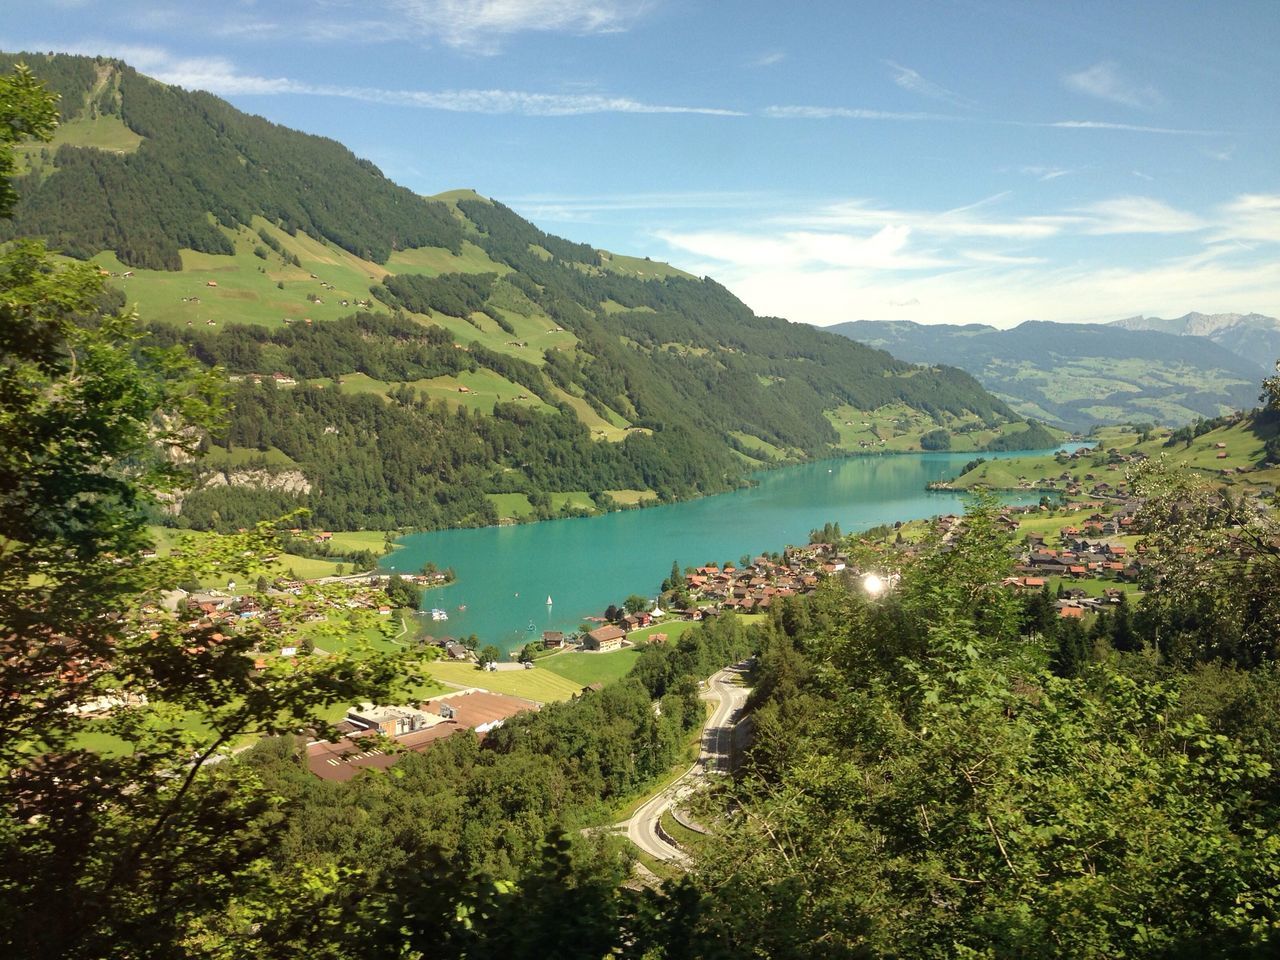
x,y
763,582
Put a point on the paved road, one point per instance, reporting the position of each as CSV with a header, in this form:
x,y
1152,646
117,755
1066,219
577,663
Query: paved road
x,y
714,757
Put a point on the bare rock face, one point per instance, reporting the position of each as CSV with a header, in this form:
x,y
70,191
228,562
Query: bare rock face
x,y
284,481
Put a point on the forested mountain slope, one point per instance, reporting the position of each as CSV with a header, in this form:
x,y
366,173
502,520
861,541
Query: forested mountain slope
x,y
1077,375
409,361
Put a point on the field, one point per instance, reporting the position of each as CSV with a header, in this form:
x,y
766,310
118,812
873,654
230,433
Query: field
x,y
898,428
537,684
510,506
1243,448
631,497
587,668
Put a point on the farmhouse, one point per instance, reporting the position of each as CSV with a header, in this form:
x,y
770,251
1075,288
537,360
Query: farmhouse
x,y
603,639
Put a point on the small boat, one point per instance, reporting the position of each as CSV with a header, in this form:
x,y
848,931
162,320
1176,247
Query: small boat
x,y
462,608
438,614
548,599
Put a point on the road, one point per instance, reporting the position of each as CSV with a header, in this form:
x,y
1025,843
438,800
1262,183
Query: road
x,y
714,757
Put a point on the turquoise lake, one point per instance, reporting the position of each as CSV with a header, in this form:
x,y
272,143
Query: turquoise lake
x,y
506,574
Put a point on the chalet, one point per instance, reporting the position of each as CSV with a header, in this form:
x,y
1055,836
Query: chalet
x,y
657,639
603,639
552,639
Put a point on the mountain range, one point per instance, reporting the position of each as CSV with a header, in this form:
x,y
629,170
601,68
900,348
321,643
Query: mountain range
x,y
400,360
1078,375
1249,335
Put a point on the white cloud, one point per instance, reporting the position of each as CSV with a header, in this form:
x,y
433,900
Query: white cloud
x,y
1007,295
1252,216
769,59
886,249
909,79
1105,82
481,25
1137,215
974,263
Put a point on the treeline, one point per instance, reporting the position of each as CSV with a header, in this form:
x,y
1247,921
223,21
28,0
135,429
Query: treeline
x,y
415,463
203,156
385,347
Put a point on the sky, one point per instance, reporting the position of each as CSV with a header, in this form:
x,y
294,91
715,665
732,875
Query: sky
x,y
948,161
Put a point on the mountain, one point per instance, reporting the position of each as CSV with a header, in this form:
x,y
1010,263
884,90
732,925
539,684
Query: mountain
x,y
406,361
1248,335
1078,375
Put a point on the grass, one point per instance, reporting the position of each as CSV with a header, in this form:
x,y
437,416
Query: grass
x,y
372,540
511,506
588,668
572,498
755,445
641,267
433,261
246,288
629,498
1243,447
601,429
537,684
105,132
688,840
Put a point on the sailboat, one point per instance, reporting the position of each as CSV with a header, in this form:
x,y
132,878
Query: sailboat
x,y
548,599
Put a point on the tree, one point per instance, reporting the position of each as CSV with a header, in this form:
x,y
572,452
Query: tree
x,y
489,654
104,851
636,603
27,112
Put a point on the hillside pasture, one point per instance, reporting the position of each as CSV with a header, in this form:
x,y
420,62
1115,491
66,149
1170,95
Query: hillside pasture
x,y
538,684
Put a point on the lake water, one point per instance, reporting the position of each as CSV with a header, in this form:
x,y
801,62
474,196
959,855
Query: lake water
x,y
506,574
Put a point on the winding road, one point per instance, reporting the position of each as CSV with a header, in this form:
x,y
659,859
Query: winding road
x,y
727,689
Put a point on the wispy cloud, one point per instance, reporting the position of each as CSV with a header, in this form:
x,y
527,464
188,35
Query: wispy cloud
x,y
911,80
1045,174
811,112
1136,215
769,59
481,25
1130,127
844,113
1106,82
221,76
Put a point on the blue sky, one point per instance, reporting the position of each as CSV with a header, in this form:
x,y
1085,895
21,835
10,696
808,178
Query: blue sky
x,y
962,161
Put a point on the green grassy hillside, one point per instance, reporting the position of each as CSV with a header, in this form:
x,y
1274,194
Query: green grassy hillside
x,y
1230,453
1079,375
439,361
